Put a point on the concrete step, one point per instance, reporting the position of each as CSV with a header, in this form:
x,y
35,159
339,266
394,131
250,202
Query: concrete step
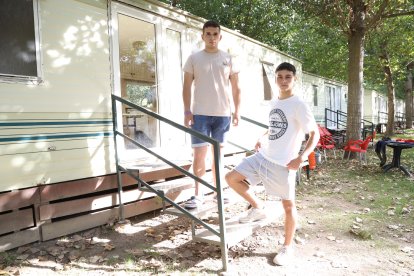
x,y
210,205
156,170
235,231
171,186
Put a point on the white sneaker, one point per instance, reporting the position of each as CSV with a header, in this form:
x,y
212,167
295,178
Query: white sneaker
x,y
194,202
284,256
226,198
254,214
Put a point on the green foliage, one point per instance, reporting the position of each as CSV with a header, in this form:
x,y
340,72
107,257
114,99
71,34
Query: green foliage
x,y
141,94
395,35
7,259
316,31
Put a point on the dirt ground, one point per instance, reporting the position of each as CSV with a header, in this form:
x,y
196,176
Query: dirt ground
x,y
331,240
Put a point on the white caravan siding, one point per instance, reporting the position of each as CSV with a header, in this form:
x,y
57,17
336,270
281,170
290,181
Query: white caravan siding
x,y
375,106
61,129
316,95
310,84
370,106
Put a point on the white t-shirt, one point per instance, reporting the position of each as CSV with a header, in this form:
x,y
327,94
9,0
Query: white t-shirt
x,y
289,120
211,71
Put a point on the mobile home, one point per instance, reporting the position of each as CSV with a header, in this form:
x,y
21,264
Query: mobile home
x,y
56,80
376,107
325,97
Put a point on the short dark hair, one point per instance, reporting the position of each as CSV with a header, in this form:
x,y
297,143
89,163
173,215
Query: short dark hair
x,y
211,23
286,66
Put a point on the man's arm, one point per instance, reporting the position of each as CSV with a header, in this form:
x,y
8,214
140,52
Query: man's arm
x,y
259,142
188,81
236,92
309,147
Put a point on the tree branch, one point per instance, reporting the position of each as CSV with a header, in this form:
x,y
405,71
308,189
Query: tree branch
x,y
411,12
373,21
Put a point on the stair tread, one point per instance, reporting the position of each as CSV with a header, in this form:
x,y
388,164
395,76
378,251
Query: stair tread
x,y
172,185
210,204
235,231
153,166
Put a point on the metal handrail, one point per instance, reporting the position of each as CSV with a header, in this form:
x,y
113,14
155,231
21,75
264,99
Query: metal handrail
x,y
339,121
249,120
216,153
399,116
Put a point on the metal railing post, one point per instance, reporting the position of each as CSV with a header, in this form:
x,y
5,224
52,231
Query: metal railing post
x,y
118,172
222,221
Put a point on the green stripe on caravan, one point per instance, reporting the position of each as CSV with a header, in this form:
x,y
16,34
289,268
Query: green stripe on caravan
x,y
59,136
56,123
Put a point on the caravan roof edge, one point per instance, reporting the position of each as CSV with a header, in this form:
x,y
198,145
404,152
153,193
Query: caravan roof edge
x,y
195,20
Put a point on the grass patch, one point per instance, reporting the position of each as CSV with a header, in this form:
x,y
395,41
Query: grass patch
x,y
365,191
7,259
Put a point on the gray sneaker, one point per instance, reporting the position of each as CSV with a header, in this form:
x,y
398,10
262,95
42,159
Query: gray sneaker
x,y
194,202
284,256
254,214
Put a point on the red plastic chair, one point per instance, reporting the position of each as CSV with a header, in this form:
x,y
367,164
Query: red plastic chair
x,y
359,146
326,142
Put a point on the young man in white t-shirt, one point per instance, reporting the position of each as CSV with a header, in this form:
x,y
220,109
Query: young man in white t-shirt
x,y
276,161
207,110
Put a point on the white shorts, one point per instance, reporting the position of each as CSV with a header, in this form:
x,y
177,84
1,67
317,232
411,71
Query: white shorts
x,y
277,180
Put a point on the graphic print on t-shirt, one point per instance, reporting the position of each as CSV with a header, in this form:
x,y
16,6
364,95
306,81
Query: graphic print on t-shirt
x,y
277,124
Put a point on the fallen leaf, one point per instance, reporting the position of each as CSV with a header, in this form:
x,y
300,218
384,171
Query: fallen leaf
x,y
109,247
94,259
23,257
393,227
407,249
150,230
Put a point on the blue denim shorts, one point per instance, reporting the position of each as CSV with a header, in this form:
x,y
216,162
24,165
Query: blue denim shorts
x,y
215,127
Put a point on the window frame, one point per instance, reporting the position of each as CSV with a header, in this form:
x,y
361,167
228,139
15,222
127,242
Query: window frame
x,y
315,94
268,69
6,78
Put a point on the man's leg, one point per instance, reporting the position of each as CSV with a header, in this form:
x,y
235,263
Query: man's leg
x,y
199,165
290,220
219,129
285,254
236,182
257,212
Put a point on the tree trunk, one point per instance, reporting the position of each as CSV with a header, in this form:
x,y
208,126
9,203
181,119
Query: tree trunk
x,y
409,100
356,38
385,61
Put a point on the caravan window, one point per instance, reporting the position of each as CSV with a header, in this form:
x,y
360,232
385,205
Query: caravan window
x,y
19,40
268,81
315,95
